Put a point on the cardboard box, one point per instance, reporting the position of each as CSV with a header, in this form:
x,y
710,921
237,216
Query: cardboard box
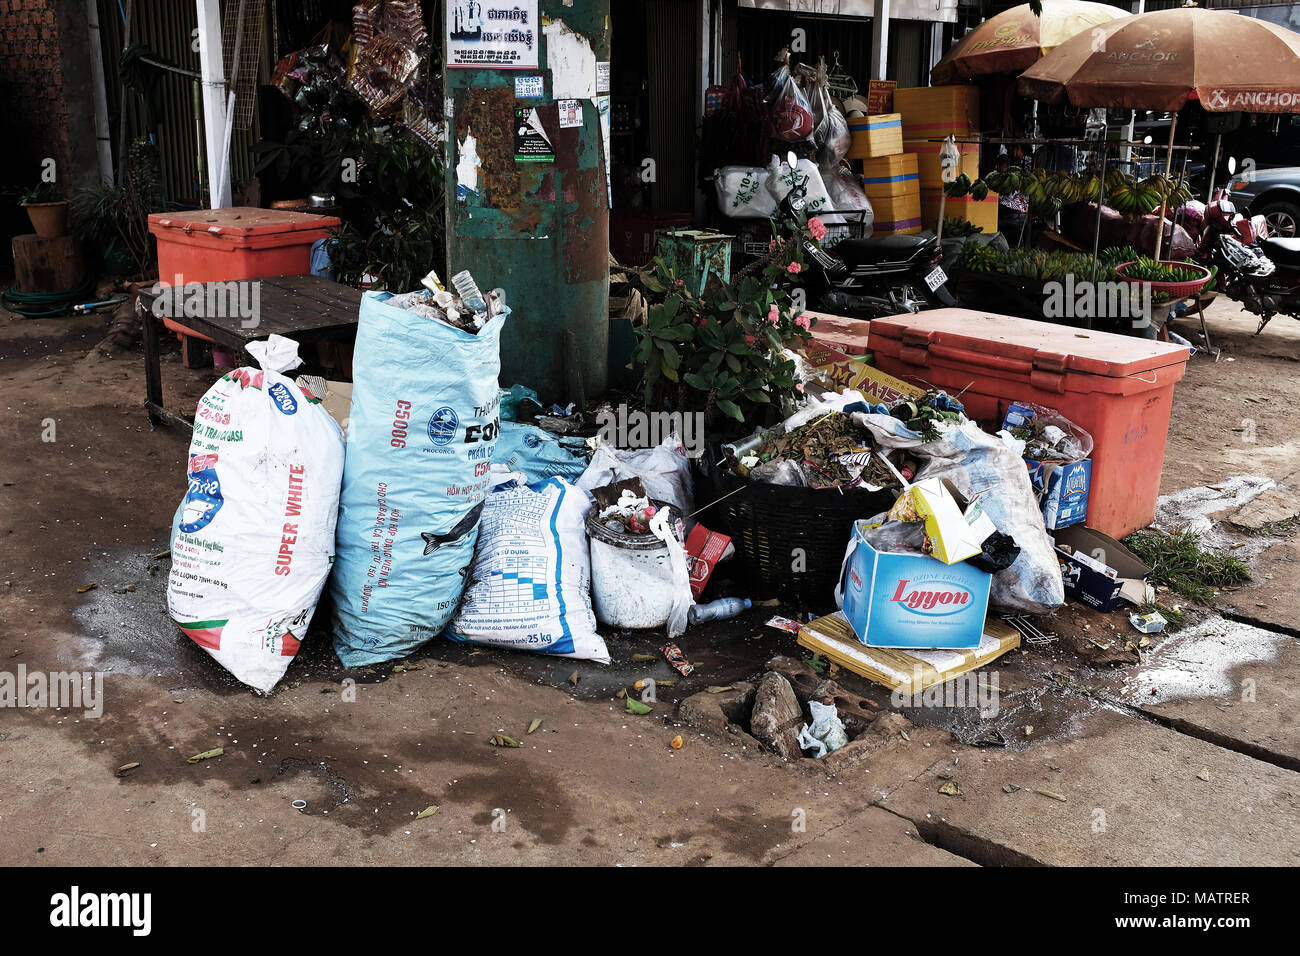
x,y
876,136
956,528
935,111
910,600
909,672
1062,490
896,215
704,549
848,371
891,175
982,213
928,169
1099,571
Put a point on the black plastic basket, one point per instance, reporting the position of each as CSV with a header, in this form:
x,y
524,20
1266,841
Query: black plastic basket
x,y
790,541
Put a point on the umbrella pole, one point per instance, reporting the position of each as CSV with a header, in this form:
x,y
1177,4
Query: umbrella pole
x,y
1169,160
1096,236
1214,167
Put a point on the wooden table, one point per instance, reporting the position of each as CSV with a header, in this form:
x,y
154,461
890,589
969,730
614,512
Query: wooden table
x,y
304,308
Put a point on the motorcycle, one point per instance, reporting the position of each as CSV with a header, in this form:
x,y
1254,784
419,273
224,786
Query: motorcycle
x,y
864,278
1259,271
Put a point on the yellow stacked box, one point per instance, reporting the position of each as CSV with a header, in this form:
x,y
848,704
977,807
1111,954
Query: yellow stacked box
x,y
933,112
982,213
876,136
890,175
894,188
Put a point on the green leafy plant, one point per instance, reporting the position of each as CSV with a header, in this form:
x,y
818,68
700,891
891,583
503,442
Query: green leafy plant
x,y
721,352
40,193
115,218
393,215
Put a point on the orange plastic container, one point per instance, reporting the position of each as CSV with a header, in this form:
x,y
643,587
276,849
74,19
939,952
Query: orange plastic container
x,y
243,242
217,245
1119,388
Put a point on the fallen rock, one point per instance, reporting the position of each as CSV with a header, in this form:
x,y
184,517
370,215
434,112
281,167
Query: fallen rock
x,y
801,677
777,716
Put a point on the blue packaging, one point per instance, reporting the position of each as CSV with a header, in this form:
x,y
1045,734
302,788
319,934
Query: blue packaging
x,y
1062,490
910,600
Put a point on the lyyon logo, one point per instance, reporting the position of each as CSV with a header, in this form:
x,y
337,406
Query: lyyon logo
x,y
629,428
75,909
75,690
936,602
1098,300
973,689
238,299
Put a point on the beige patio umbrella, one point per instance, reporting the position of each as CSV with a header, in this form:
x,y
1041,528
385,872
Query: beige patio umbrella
x,y
1017,38
1164,59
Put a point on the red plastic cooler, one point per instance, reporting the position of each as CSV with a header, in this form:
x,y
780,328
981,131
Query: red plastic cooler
x,y
219,245
1118,387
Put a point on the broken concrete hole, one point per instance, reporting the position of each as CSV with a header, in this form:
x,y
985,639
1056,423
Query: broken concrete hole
x,y
771,712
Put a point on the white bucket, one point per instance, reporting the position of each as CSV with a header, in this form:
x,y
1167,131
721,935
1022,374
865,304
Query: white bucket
x,y
631,575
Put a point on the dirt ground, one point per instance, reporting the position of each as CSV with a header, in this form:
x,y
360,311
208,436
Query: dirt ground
x,y
1180,771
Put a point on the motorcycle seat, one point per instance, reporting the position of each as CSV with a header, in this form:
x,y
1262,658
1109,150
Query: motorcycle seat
x,y
857,252
1283,252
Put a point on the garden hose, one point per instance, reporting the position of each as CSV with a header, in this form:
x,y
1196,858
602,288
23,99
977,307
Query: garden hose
x,y
40,305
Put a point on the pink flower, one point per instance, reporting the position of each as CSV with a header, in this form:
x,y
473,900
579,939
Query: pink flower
x,y
773,315
817,228
794,268
798,388
803,322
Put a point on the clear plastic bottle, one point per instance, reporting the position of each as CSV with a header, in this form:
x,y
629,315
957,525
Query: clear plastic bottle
x,y
719,610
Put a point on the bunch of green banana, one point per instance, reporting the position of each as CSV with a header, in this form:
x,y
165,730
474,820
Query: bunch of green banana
x,y
978,257
958,187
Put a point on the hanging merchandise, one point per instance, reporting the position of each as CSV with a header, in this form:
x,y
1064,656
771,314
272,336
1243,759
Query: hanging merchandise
x,y
790,116
733,134
831,133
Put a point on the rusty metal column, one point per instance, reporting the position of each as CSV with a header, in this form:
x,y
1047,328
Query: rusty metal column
x,y
527,184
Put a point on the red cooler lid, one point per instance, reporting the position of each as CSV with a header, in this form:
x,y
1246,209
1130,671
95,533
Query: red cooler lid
x,y
241,221
967,335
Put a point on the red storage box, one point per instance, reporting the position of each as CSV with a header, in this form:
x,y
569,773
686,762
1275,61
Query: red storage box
x,y
1119,388
218,245
243,242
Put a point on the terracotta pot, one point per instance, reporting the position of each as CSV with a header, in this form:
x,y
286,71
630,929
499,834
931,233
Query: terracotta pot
x,y
49,219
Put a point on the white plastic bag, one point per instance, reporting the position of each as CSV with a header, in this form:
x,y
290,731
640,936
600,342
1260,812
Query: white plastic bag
x,y
253,539
743,193
826,732
781,179
679,567
664,470
529,588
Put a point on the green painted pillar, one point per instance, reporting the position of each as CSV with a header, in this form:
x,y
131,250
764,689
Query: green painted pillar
x,y
529,212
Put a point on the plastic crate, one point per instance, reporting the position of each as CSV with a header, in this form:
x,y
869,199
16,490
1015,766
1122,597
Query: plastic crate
x,y
778,529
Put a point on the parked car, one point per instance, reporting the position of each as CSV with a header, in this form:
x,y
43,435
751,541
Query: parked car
x,y
1272,193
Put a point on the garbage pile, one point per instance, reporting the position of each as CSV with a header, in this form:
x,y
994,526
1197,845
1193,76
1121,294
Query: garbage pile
x,y
445,515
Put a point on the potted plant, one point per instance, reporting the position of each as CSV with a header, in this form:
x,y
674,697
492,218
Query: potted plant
x,y
47,209
723,353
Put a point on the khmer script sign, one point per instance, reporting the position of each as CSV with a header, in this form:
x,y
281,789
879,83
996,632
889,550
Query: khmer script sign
x,y
492,34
